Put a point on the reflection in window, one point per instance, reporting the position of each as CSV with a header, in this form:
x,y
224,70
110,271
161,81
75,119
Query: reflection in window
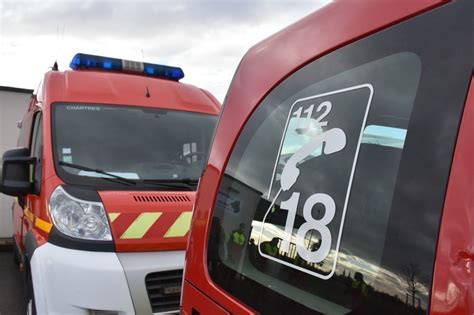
x,y
295,138
384,136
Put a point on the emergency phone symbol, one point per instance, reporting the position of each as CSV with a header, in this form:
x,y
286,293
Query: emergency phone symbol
x,y
331,141
318,141
334,140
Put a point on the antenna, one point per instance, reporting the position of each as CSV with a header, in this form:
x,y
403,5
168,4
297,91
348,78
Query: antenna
x,y
55,65
147,90
62,41
57,42
58,47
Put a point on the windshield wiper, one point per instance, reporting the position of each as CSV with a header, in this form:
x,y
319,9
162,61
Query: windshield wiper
x,y
171,183
188,181
115,178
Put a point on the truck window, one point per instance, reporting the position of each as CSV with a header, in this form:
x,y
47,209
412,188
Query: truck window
x,y
332,196
142,144
37,149
24,138
37,137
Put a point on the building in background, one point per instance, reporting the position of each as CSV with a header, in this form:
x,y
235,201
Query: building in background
x,y
13,103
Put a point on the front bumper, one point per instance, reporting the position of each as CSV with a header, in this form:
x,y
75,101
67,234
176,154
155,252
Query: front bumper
x,y
68,281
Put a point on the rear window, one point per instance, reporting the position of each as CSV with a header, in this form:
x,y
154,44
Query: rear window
x,y
332,197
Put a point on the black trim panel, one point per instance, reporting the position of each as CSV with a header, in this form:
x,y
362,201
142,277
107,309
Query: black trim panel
x,y
82,193
59,239
30,245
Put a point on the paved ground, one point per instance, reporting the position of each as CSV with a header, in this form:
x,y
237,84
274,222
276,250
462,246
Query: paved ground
x,y
12,292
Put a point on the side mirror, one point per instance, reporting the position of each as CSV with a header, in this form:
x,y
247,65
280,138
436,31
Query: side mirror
x,y
16,172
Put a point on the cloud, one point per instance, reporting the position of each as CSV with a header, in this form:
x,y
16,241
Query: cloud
x,y
126,18
206,38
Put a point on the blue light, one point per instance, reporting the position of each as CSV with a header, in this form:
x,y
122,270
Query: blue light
x,y
107,64
149,70
75,62
173,73
83,61
176,73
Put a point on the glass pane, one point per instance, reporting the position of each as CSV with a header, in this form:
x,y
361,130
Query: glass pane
x,y
37,137
310,220
132,142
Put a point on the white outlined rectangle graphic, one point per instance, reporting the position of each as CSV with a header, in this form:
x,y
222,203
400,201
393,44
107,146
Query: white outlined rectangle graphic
x,y
325,141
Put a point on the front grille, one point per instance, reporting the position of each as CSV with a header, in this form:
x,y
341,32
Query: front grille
x,y
161,198
164,290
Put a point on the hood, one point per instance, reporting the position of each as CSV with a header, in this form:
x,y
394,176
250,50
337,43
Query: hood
x,y
149,221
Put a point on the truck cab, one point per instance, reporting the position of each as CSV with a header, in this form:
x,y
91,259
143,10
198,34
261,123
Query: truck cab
x,y
340,179
105,174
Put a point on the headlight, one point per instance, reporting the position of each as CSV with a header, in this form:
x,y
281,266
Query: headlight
x,y
79,218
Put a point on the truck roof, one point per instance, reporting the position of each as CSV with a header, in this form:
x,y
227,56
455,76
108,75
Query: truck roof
x,y
100,87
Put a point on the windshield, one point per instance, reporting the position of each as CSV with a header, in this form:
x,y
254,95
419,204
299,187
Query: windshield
x,y
135,143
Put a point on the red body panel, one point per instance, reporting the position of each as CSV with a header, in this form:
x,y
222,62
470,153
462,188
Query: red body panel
x,y
200,301
454,275
125,89
104,88
130,205
262,68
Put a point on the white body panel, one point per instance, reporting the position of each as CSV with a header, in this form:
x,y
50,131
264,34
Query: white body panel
x,y
138,265
68,281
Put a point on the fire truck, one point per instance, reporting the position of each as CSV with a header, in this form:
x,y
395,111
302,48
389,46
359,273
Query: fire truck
x,y
105,174
340,178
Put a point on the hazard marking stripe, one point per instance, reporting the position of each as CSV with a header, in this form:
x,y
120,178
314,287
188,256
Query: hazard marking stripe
x,y
113,216
43,225
38,222
141,225
29,215
181,226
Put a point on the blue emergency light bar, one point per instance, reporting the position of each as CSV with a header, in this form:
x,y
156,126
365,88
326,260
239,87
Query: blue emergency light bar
x,y
83,61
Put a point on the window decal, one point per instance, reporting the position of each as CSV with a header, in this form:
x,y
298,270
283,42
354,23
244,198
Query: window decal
x,y
311,134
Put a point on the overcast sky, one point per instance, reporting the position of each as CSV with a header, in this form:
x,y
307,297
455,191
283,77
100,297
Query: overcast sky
x,y
206,38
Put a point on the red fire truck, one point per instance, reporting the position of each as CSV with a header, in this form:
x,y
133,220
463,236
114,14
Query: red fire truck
x,y
340,179
105,172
